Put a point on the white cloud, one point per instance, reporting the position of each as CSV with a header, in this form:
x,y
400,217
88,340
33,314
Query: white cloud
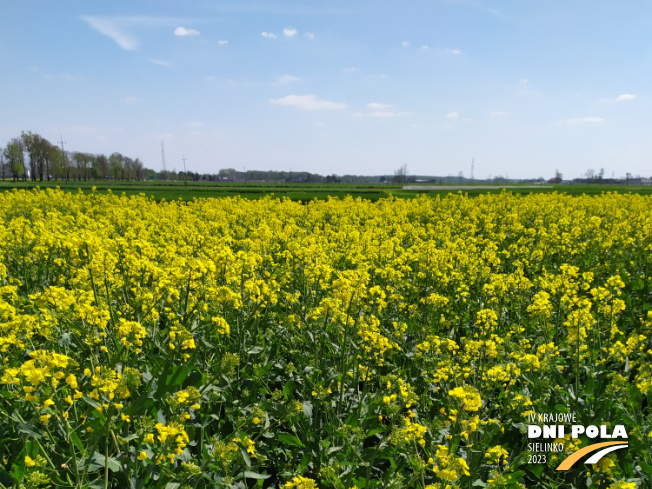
x,y
583,120
309,35
182,32
453,115
222,42
210,78
289,32
405,44
424,47
308,102
282,80
268,35
159,62
499,113
380,111
351,69
625,96
377,106
452,51
132,100
109,27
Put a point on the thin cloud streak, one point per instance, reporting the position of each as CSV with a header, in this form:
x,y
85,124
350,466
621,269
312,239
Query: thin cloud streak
x,y
109,27
159,62
377,106
308,102
285,79
116,27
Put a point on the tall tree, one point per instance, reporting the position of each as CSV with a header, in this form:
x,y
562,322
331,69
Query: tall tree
x,y
15,155
128,168
82,162
138,168
400,175
115,165
101,166
46,155
66,158
30,144
56,162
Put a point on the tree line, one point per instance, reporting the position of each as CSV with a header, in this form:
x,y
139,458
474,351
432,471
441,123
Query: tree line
x,y
31,156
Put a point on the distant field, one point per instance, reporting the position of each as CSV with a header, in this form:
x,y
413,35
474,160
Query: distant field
x,y
177,190
171,190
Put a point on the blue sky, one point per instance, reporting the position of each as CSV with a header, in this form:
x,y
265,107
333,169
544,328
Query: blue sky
x,y
358,87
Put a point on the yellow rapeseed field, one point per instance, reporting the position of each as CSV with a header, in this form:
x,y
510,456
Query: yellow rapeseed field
x,y
342,343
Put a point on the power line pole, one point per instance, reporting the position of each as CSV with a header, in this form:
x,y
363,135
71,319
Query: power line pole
x,y
472,166
63,159
185,173
163,169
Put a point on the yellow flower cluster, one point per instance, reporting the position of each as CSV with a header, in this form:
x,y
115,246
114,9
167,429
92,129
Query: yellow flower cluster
x,y
409,433
468,397
448,466
496,455
299,482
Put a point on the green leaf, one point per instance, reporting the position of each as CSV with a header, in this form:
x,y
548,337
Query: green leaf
x,y
255,475
244,453
456,442
287,389
536,470
97,462
131,437
171,378
91,401
290,440
177,377
76,441
23,428
305,460
17,472
139,406
647,469
5,477
99,484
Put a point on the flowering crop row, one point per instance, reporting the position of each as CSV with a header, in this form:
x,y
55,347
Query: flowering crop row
x,y
402,343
